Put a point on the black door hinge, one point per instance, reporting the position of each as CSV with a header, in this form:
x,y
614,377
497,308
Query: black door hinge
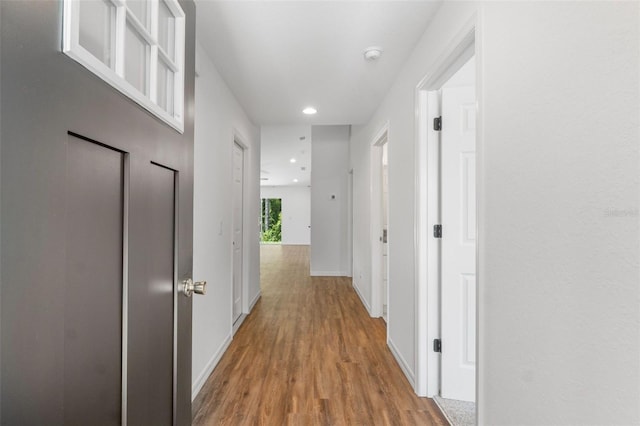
x,y
437,123
437,345
437,231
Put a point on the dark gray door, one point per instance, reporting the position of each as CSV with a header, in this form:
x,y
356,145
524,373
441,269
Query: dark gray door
x,y
96,235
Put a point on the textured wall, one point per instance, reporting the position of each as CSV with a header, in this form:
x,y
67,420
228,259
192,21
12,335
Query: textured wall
x,y
559,311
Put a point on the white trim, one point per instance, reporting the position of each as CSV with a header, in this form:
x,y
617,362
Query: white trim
x,y
480,206
166,59
383,133
328,273
239,139
254,301
375,209
427,290
404,365
427,249
120,31
350,223
444,413
238,323
140,27
114,75
362,299
153,10
179,50
244,285
208,369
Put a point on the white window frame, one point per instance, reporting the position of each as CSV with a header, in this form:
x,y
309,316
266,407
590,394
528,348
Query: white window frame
x,y
115,75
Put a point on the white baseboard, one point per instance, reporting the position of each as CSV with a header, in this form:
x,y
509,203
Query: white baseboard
x,y
444,413
208,369
362,299
328,274
404,366
238,323
255,300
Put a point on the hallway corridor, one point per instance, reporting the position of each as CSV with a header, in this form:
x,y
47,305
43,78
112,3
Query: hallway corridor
x,y
309,354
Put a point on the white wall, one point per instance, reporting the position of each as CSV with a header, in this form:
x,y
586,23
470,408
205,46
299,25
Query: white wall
x,y
559,307
296,212
560,311
218,119
398,111
329,177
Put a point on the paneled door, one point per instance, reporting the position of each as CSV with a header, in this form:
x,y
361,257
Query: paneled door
x,y
97,200
238,213
458,243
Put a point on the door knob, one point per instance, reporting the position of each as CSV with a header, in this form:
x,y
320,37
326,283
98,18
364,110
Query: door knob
x,y
189,287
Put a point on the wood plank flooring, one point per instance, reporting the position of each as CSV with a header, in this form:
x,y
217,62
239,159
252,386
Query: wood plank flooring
x,y
309,354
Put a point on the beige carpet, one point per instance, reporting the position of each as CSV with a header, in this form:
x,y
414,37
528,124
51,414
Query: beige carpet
x,y
459,413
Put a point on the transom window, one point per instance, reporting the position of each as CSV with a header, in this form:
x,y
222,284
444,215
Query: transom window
x,y
137,46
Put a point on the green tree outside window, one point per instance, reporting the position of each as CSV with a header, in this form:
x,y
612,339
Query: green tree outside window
x,y
271,229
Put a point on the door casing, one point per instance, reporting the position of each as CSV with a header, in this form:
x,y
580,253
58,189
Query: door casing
x,y
377,298
240,141
463,46
237,222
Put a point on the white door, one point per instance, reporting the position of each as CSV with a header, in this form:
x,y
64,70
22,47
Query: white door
x,y
458,243
238,189
385,230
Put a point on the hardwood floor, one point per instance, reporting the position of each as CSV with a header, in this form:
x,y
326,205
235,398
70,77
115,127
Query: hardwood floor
x,y
309,354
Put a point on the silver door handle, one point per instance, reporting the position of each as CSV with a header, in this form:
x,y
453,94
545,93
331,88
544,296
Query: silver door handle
x,y
189,287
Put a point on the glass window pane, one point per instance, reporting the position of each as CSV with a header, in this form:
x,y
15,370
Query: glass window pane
x,y
140,8
96,29
165,87
166,29
136,59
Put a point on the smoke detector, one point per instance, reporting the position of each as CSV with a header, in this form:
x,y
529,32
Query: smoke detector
x,y
372,53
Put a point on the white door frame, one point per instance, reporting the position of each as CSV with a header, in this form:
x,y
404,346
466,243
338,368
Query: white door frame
x,y
350,223
427,204
375,198
239,140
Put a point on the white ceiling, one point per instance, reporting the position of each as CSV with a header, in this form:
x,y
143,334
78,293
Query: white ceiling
x,y
281,56
279,144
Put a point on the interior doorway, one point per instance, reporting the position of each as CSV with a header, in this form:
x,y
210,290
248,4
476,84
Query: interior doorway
x,y
238,231
385,230
350,223
449,121
446,236
380,225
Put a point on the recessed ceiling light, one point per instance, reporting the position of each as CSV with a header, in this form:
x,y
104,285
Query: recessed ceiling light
x,y
295,180
293,160
309,110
